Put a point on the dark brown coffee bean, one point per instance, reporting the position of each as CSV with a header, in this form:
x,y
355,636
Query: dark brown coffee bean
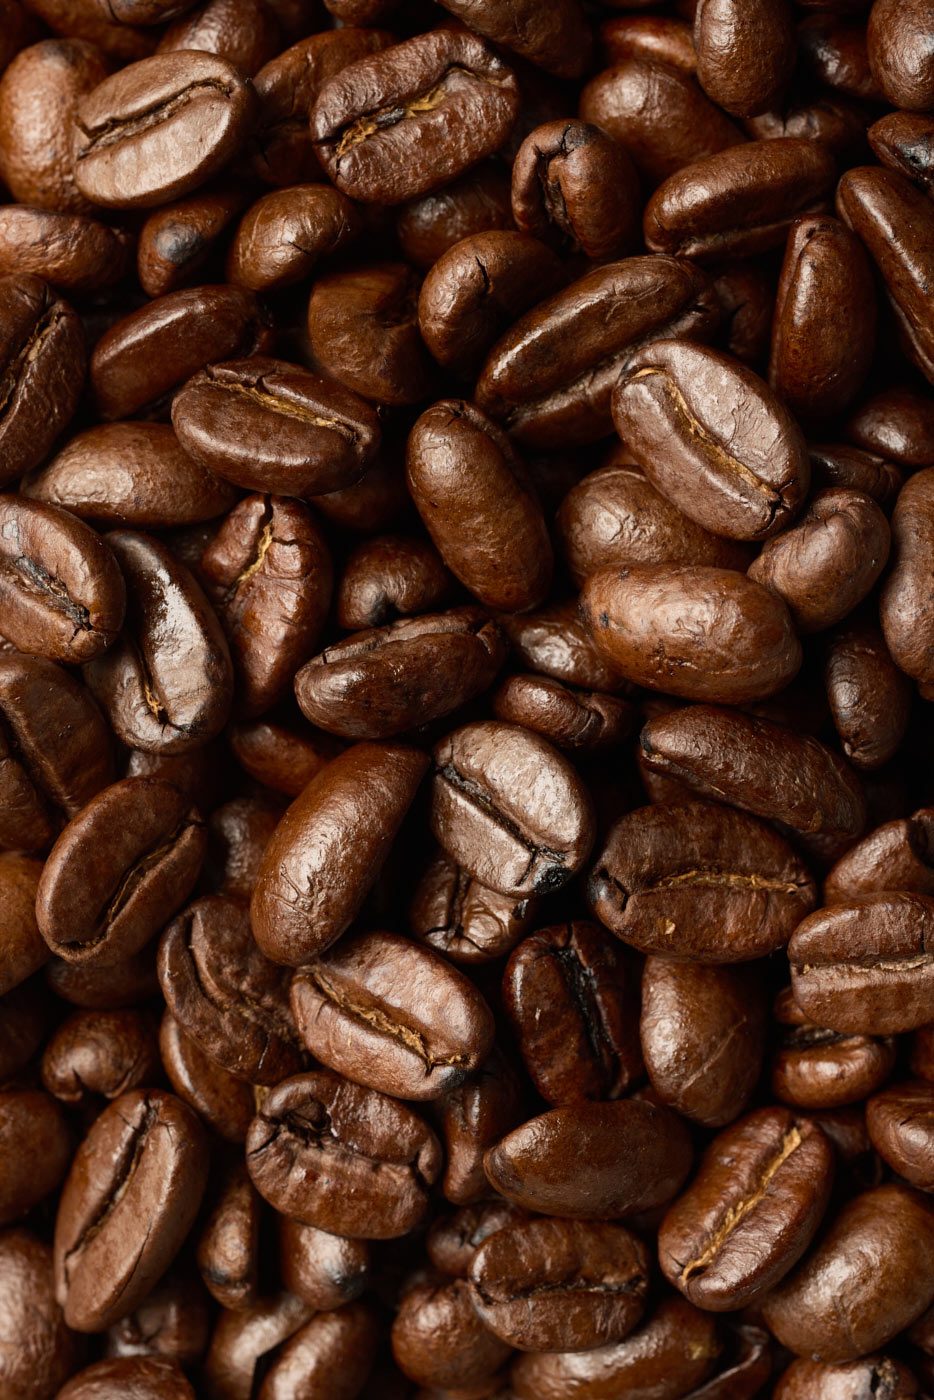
x,y
815,1067
100,1052
35,1147
392,1015
173,1321
129,1201
243,32
469,922
899,855
225,1103
550,378
349,1160
282,236
329,847
870,698
739,201
129,474
699,882
243,1344
76,19
903,141
39,1351
587,1046
143,1377
758,766
177,240
399,124
574,187
55,750
454,1239
900,53
572,719
134,143
905,605
896,423
750,1212
554,642
225,995
658,38
104,986
61,591
119,870
615,516
557,38
867,964
896,224
325,1271
148,354
658,114
475,499
745,296
477,202
817,369
812,1380
228,1244
701,633
282,757
473,1116
167,684
593,1160
390,576
238,834
42,364
560,1285
509,808
335,1348
901,1124
703,1035
870,1275
745,53
439,1341
75,253
839,465
379,683
268,573
267,425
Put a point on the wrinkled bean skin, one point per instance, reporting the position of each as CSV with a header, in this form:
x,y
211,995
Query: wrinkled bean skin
x,y
575,720
710,436
391,1015
325,1271
739,645
77,254
750,1212
282,236
140,1171
317,1128
470,923
903,606
142,1378
439,1340
593,1161
745,53
901,1125
472,1117
812,1380
704,883
307,891
96,1052
387,577
703,1036
869,697
899,855
899,40
814,1067
879,1245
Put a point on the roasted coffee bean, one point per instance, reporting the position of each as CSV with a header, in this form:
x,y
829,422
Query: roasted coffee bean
x,y
869,1276
658,114
268,573
474,496
167,684
509,808
902,141
750,1212
815,1067
119,870
284,758
615,516
244,32
100,1052
477,202
572,719
77,254
226,1104
869,697
177,240
899,855
470,923
379,683
332,1348
390,576
587,1046
228,1244
703,1035
131,474
700,633
350,1160
143,1377
103,986
38,1351
880,1375
144,358
711,437
658,38
472,1117
901,1124
757,766
158,129
230,999
282,236
391,1015
896,224
476,288
833,52
438,1340
399,124
55,750
899,52
866,964
329,847
554,642
238,834
745,53
41,371
243,1343
838,464
557,39
575,187
704,883
739,201
454,1239
550,378
131,1196
172,1321
35,1148
898,424
61,590
325,1271
267,425
593,1160
904,606
817,369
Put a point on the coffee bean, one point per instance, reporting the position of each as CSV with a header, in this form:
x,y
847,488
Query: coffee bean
x,y
745,53
325,1271
100,1052
439,1340
898,855
283,235
43,368
903,606
389,576
816,1067
41,1352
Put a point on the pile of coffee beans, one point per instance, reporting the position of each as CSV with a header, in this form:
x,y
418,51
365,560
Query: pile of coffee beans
x,y
466,657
